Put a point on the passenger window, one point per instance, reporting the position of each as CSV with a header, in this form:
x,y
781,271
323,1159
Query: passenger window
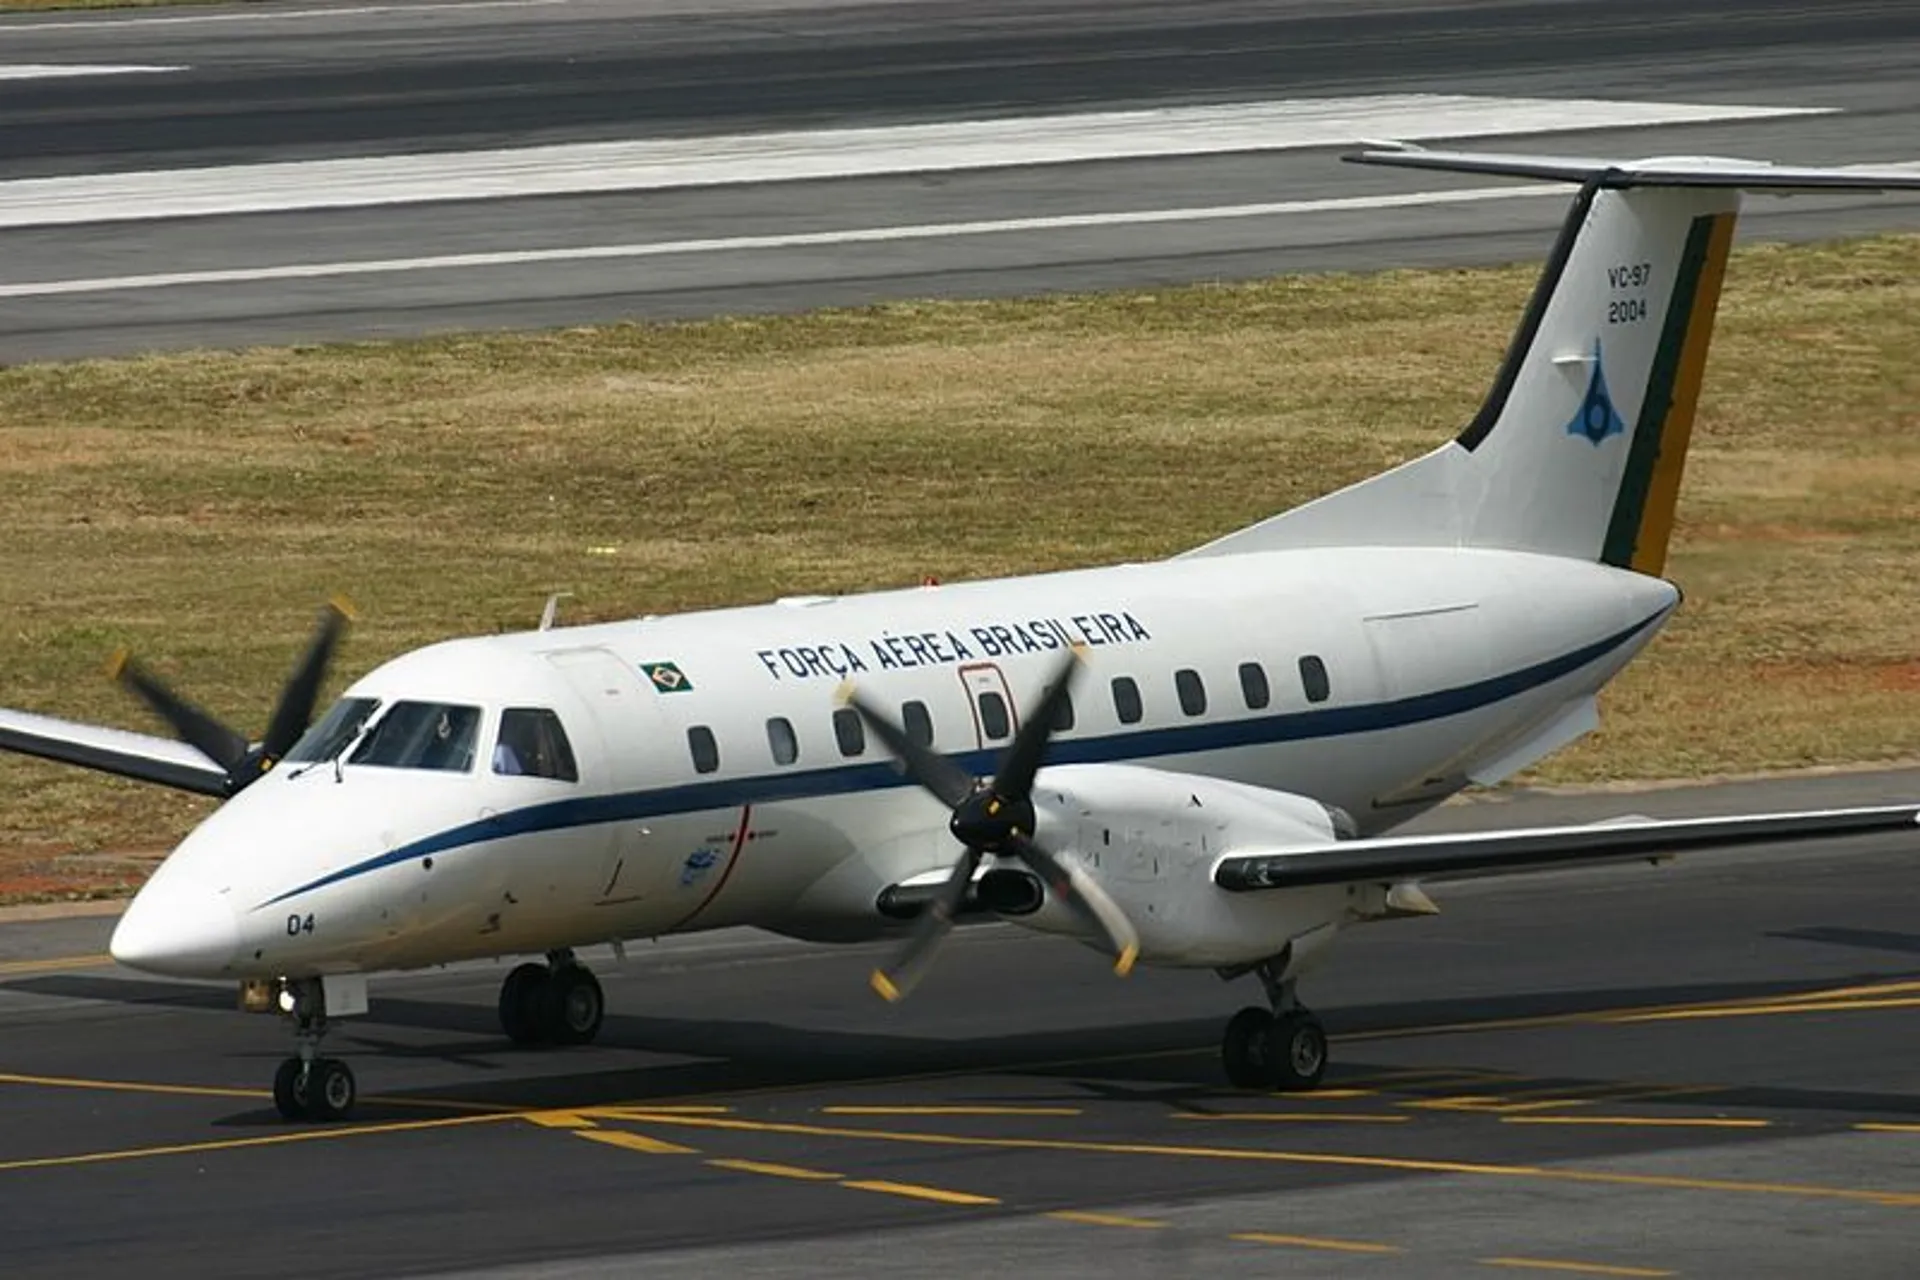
x,y
706,752
533,743
780,737
1253,686
1126,700
917,722
1063,715
995,723
1193,694
849,731
1313,678
422,735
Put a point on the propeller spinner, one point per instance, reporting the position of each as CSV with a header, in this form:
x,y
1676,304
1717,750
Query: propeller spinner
x,y
994,816
244,763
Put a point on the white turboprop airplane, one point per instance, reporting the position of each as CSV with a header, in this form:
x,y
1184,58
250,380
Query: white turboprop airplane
x,y
1248,719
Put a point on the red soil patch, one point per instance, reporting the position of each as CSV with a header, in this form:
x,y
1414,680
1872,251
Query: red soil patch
x,y
50,873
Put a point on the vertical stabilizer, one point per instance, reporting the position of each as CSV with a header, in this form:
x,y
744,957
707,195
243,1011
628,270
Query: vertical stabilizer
x,y
1579,447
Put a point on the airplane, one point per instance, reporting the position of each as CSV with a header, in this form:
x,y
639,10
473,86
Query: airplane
x,y
1197,762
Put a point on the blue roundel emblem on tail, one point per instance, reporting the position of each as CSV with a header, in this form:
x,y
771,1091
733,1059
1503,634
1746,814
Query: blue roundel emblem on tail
x,y
1596,419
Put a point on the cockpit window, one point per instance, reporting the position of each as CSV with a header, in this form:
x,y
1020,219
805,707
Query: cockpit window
x,y
422,735
532,744
340,726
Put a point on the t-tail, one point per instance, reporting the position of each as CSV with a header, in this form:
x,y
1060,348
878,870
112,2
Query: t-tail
x,y
1579,446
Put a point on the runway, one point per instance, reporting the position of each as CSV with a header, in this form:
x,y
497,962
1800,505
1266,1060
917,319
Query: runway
x,y
229,91
1701,1069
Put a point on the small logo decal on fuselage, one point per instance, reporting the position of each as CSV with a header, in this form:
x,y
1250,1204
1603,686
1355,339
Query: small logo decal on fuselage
x,y
695,868
1596,419
666,677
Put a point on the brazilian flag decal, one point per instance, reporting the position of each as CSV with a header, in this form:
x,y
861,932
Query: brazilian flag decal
x,y
666,677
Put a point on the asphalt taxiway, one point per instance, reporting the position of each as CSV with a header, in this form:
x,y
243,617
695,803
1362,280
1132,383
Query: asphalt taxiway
x,y
1704,1068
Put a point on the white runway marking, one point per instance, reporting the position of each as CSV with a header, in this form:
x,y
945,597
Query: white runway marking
x,y
54,70
659,164
106,23
793,240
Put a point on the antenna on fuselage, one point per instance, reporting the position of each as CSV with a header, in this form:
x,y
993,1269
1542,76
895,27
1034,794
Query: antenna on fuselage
x,y
552,610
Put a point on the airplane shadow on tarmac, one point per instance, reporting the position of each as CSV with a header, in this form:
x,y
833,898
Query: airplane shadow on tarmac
x,y
1159,1062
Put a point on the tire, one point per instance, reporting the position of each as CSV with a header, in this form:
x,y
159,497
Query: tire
x,y
1299,1052
1247,1049
572,1006
520,1004
288,1099
331,1090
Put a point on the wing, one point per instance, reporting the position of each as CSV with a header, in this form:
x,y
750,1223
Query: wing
x,y
1483,853
117,751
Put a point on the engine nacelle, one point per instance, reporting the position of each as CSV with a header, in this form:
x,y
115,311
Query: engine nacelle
x,y
1151,839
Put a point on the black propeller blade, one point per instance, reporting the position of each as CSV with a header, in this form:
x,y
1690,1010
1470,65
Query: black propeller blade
x,y
244,763
995,816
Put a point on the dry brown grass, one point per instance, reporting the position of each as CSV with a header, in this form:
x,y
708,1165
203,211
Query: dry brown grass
x,y
199,506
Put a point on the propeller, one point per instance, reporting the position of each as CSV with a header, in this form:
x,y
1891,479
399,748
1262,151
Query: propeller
x,y
994,816
243,762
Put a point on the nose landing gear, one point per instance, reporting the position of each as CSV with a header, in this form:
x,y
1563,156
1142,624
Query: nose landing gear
x,y
1285,1049
558,1003
308,1086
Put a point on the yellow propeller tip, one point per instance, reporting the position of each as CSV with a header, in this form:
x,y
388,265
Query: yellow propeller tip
x,y
344,607
117,662
1124,965
884,985
843,694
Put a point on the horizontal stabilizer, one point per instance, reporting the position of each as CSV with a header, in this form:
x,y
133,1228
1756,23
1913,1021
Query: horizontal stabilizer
x,y
1482,853
117,751
1661,171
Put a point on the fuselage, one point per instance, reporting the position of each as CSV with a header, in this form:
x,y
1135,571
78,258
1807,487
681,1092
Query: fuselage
x,y
711,783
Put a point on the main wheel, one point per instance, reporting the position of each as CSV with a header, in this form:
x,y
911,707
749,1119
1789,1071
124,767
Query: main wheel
x,y
572,1006
1247,1049
289,1099
331,1090
520,1004
1299,1051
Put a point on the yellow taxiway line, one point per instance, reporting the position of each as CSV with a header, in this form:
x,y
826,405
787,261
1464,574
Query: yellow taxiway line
x,y
913,1191
235,1144
1315,1242
772,1170
1091,1219
1319,1159
1576,1268
54,964
1294,1117
948,1111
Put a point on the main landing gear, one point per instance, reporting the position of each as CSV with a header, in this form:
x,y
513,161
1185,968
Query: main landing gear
x,y
308,1086
1285,1049
558,1002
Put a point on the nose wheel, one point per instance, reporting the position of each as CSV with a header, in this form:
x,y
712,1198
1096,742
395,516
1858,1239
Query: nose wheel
x,y
558,1003
323,1089
308,1086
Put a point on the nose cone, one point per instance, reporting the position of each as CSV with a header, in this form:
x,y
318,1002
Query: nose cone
x,y
178,930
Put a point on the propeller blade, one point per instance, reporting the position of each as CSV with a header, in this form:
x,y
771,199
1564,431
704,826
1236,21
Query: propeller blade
x,y
1013,779
897,980
925,766
1082,895
189,723
294,711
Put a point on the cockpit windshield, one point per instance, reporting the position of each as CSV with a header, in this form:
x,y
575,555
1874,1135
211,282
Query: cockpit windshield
x,y
422,735
340,726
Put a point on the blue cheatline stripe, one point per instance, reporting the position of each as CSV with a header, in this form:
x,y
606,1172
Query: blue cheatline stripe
x,y
769,788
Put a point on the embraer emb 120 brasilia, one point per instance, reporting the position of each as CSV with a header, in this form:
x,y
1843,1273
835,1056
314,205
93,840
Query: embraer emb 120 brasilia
x,y
1191,763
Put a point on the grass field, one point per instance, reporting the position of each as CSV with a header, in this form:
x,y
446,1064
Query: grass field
x,y
199,507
